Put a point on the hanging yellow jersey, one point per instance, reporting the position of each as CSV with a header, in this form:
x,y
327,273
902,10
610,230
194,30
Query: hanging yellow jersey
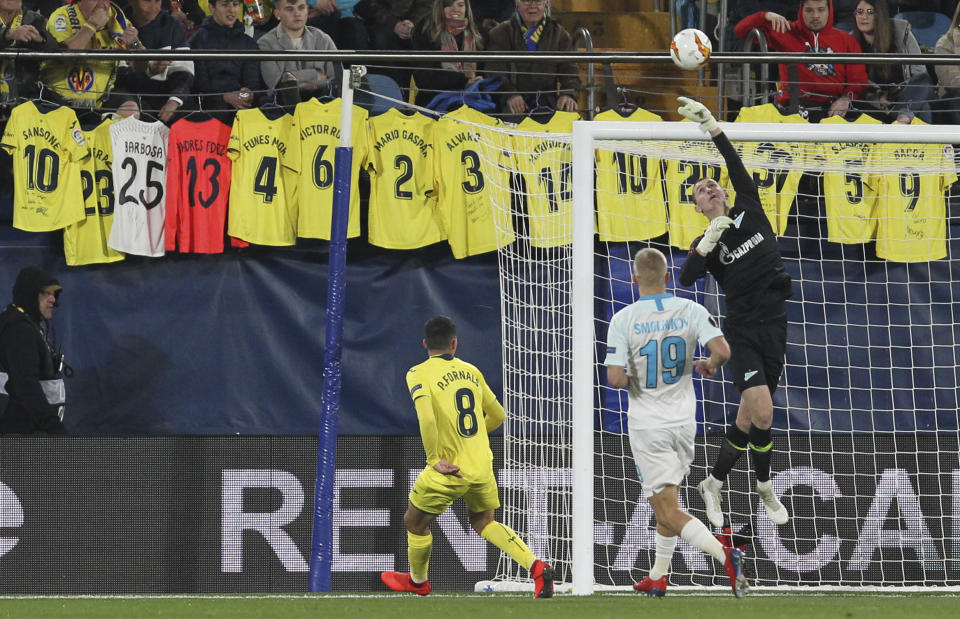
x,y
402,211
682,173
630,204
470,176
850,193
912,210
776,167
263,206
545,164
47,150
85,242
318,128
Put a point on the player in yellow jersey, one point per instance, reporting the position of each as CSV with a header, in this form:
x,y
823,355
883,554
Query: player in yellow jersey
x,y
456,410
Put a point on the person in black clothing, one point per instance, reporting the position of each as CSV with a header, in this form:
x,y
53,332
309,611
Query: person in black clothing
x,y
31,384
21,29
739,248
162,84
232,84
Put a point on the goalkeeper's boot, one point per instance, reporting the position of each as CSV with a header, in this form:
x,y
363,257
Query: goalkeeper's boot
x,y
775,509
734,569
739,540
709,490
656,587
542,575
401,581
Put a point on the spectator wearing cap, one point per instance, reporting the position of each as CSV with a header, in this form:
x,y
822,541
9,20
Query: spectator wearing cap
x,y
32,393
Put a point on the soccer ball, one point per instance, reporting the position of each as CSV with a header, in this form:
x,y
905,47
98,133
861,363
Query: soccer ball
x,y
690,49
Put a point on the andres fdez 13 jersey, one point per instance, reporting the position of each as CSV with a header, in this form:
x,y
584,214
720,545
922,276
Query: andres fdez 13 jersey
x,y
47,148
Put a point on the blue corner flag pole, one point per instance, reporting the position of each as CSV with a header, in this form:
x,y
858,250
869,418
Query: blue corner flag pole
x,y
321,551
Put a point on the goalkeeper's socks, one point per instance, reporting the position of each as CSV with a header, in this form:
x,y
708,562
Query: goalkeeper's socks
x,y
697,534
504,538
663,556
761,448
418,552
730,452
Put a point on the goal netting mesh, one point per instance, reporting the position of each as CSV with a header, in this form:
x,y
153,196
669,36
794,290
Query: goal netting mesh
x,y
865,422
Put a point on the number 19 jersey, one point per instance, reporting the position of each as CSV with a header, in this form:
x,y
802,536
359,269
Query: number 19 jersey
x,y
47,149
655,339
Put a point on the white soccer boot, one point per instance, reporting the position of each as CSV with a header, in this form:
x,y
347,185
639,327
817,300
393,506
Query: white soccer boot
x,y
775,509
709,490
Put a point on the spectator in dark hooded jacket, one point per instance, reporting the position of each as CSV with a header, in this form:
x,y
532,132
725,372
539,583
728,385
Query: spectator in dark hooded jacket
x,y
232,84
32,395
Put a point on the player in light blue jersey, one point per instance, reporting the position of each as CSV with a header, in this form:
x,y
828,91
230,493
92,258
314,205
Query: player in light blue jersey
x,y
650,351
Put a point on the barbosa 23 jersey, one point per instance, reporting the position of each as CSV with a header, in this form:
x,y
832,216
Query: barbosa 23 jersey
x,y
85,242
139,180
47,149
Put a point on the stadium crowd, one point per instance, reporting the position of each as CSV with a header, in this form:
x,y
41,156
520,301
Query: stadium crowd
x,y
168,90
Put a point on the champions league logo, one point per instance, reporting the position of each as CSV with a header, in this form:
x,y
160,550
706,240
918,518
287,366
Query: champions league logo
x,y
823,70
80,79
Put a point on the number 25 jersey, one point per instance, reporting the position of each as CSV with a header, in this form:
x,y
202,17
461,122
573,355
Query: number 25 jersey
x,y
139,180
402,199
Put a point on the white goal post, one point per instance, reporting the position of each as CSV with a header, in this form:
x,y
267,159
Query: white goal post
x,y
587,137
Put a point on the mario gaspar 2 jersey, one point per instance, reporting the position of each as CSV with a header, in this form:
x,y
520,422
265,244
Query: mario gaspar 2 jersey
x,y
746,262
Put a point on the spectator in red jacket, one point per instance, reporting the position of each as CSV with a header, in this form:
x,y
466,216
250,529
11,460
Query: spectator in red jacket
x,y
825,89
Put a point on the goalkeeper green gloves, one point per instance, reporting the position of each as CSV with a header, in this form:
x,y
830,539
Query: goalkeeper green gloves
x,y
697,112
713,233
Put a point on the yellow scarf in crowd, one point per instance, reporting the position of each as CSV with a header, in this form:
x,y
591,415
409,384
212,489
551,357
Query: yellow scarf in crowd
x,y
6,67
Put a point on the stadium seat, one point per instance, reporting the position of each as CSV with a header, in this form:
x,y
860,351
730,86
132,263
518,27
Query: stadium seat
x,y
928,26
381,85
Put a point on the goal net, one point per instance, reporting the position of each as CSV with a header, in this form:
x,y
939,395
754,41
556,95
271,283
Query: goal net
x,y
865,423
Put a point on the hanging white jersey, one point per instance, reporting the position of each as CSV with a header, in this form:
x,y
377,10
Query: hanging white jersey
x,y
139,179
655,339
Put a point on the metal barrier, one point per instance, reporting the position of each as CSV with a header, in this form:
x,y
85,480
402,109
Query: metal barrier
x,y
582,33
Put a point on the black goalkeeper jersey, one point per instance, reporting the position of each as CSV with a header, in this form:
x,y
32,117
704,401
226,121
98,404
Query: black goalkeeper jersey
x,y
746,262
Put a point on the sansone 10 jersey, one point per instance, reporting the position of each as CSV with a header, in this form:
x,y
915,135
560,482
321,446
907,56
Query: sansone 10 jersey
x,y
139,179
85,242
47,148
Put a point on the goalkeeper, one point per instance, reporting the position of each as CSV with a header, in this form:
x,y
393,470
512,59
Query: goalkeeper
x,y
740,250
456,410
650,348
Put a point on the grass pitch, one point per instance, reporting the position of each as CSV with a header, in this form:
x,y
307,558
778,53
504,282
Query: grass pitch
x,y
492,606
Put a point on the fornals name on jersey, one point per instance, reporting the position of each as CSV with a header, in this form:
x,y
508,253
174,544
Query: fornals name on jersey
x,y
727,256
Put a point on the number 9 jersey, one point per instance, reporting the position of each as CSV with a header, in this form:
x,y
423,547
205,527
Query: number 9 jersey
x,y
655,339
459,395
47,149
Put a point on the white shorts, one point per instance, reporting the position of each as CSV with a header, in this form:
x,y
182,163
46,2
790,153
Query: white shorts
x,y
662,455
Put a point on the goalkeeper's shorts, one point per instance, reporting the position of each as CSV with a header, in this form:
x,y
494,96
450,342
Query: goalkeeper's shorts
x,y
662,455
757,352
434,492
